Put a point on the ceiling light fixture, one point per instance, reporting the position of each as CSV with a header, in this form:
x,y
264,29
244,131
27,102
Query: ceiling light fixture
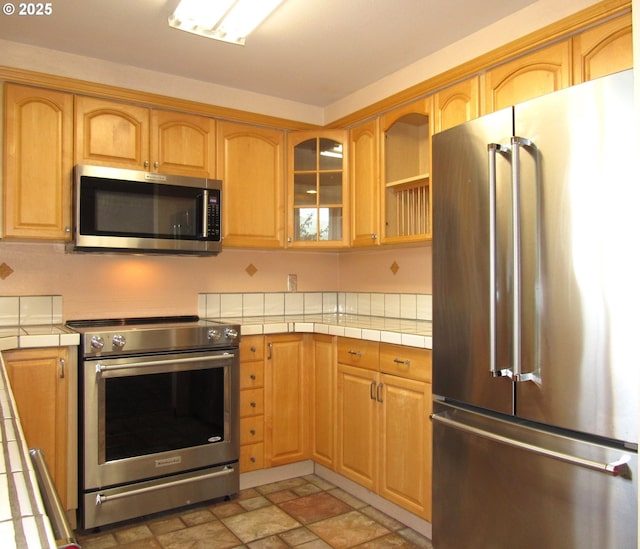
x,y
226,20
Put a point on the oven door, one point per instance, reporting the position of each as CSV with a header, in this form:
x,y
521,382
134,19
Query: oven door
x,y
153,416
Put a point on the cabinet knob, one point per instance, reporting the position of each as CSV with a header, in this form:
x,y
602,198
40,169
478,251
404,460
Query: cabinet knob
x,y
253,377
252,459
156,164
146,163
253,349
252,432
253,404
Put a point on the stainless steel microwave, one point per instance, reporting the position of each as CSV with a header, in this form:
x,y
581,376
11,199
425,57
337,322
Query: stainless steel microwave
x,y
118,210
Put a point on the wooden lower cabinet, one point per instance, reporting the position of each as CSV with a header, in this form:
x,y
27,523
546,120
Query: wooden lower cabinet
x,y
251,403
323,387
286,399
40,384
384,431
405,444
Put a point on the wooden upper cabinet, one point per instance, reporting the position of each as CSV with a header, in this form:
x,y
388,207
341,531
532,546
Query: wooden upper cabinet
x,y
250,163
538,73
38,163
364,172
603,50
405,195
183,144
109,133
317,188
456,104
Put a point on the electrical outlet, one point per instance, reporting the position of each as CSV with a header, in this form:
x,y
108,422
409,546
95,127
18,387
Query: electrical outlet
x,y
292,283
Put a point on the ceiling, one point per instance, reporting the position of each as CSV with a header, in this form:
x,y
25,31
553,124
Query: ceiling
x,y
314,52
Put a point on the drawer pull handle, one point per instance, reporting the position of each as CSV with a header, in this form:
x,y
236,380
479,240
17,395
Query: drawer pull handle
x,y
355,353
400,361
372,390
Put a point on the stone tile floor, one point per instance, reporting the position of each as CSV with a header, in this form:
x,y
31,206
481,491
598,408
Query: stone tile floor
x,y
305,512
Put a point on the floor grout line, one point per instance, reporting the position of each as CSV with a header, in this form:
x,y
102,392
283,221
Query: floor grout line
x,y
306,512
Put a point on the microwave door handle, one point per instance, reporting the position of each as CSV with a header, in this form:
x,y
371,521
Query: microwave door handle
x,y
205,213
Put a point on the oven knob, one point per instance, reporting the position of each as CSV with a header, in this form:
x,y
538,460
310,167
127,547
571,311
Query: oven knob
x,y
214,334
119,341
97,343
231,333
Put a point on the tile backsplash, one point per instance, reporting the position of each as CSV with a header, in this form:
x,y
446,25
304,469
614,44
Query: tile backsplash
x,y
233,305
30,310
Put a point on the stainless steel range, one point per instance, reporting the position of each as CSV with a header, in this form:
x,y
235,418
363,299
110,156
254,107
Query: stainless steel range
x,y
159,410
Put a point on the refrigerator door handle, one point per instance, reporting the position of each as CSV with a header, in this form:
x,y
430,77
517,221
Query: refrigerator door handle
x,y
618,468
518,375
493,149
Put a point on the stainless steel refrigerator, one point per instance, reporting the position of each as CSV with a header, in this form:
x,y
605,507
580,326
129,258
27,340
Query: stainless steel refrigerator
x,y
535,340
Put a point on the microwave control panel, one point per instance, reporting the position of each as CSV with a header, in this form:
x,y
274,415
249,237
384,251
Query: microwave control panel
x,y
213,213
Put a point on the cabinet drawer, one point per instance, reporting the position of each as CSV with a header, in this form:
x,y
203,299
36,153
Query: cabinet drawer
x,y
404,361
251,457
251,374
251,348
251,402
251,430
358,352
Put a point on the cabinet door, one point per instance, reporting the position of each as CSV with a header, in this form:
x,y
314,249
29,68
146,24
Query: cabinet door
x,y
317,203
111,134
603,50
286,401
405,453
456,104
323,400
38,163
538,73
39,384
251,165
406,163
358,425
365,184
183,144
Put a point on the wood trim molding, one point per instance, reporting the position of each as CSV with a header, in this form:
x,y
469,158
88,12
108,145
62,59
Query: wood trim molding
x,y
147,99
560,30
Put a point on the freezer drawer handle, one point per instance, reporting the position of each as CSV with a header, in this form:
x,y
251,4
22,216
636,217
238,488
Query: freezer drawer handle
x,y
619,468
101,498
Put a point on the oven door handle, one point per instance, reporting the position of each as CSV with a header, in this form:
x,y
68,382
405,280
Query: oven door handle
x,y
102,368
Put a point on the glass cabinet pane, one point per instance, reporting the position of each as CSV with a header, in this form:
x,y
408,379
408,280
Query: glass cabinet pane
x,y
330,224
306,223
305,155
305,189
330,188
330,155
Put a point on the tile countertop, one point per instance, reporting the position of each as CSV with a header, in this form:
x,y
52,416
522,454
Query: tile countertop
x,y
23,520
40,335
413,333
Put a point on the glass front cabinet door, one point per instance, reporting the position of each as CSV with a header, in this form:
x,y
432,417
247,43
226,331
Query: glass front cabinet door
x,y
317,189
